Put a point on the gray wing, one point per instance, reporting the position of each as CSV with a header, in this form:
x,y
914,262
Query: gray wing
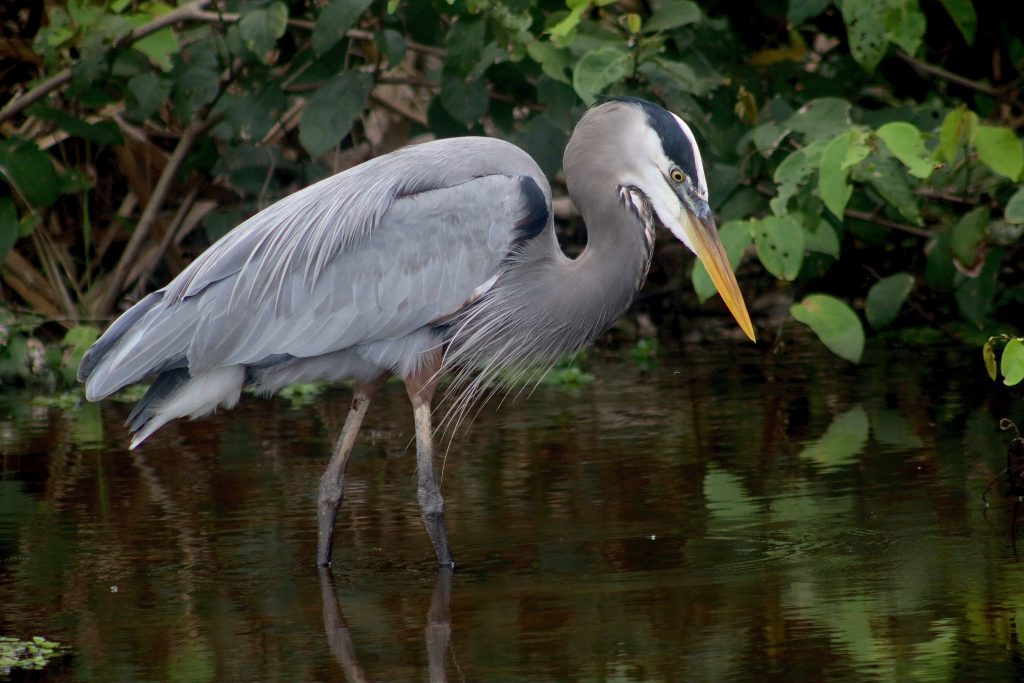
x,y
370,254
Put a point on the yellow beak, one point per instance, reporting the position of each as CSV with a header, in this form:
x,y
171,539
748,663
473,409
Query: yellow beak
x,y
708,247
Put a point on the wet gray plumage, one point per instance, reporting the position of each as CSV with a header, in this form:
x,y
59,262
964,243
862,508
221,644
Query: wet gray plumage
x,y
440,256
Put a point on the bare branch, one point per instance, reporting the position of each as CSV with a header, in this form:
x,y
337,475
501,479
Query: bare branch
x,y
938,71
190,11
885,222
134,247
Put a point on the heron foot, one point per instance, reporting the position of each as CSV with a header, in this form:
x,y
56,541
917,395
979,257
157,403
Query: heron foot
x,y
328,502
432,513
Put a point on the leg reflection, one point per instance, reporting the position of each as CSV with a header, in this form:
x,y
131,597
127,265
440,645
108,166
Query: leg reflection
x,y
437,632
336,629
439,626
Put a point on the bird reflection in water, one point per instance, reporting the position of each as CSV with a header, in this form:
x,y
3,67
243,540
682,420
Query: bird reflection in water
x,y
437,632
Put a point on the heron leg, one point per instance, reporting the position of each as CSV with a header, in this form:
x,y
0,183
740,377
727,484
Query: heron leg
x,y
332,483
421,387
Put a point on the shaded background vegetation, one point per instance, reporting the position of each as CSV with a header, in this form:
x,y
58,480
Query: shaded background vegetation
x,y
863,155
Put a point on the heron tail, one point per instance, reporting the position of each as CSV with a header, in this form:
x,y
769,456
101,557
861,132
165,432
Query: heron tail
x,y
176,394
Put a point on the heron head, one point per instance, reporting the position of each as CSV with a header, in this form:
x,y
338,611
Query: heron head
x,y
655,152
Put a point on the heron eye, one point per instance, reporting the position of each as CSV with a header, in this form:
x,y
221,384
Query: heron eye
x,y
677,175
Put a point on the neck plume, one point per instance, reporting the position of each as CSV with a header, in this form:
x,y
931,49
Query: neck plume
x,y
546,305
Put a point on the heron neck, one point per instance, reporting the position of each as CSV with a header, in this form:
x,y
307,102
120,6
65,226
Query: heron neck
x,y
620,239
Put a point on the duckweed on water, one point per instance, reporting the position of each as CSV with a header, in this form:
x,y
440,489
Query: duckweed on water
x,y
28,655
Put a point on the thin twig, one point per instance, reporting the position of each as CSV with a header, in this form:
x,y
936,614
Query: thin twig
x,y
872,218
931,193
399,108
938,71
306,25
156,201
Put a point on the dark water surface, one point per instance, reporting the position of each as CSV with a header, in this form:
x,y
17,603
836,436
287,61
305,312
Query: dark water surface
x,y
727,515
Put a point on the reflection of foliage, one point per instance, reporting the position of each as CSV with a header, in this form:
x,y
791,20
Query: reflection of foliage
x,y
598,527
568,372
29,655
846,166
301,394
842,442
644,353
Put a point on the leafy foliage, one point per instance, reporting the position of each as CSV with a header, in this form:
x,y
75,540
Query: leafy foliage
x,y
27,655
1011,365
866,150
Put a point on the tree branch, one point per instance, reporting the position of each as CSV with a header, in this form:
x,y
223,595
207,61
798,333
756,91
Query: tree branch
x,y
156,201
872,218
933,70
190,11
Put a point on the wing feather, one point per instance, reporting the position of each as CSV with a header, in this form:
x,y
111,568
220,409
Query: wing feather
x,y
371,254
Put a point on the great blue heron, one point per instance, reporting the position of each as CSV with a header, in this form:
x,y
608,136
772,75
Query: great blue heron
x,y
434,258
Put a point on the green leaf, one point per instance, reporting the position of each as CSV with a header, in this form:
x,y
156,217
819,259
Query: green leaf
x,y
939,271
905,24
466,101
845,150
835,323
780,245
261,28
866,31
967,233
735,236
30,170
794,170
767,138
544,141
819,236
886,297
159,47
195,87
1012,363
957,129
102,133
821,118
331,110
890,182
857,149
8,227
83,13
672,14
975,296
676,75
999,149
253,115
76,342
989,354
149,92
334,20
554,61
963,15
799,11
392,44
906,144
598,69
1014,211
567,25
558,99
463,44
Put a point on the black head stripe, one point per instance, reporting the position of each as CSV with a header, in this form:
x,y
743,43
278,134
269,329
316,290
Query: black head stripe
x,y
674,141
